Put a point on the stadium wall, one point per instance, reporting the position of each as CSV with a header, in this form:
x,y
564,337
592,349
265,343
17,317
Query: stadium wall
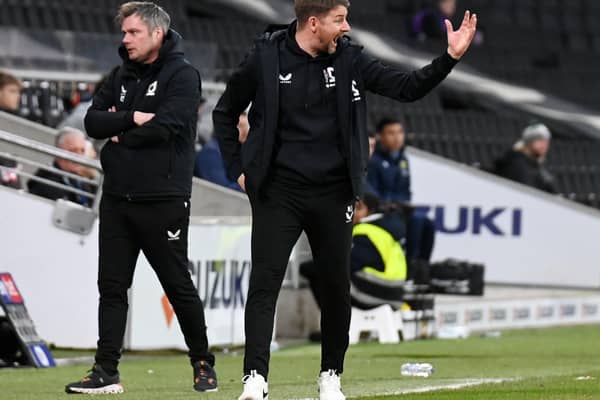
x,y
56,271
522,235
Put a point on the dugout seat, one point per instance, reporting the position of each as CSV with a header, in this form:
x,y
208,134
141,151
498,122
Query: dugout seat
x,y
381,322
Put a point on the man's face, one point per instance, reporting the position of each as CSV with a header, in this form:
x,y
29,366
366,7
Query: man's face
x,y
74,144
331,27
539,148
10,97
243,128
392,137
142,44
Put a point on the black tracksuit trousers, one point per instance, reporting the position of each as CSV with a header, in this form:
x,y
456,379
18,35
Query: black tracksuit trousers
x,y
160,230
280,214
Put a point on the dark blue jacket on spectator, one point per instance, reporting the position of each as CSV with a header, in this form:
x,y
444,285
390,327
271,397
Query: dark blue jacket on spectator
x,y
209,166
389,176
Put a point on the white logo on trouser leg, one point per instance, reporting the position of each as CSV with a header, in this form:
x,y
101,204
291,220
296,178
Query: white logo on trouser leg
x,y
349,213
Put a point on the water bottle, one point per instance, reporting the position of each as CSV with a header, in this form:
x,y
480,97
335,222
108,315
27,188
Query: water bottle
x,y
422,370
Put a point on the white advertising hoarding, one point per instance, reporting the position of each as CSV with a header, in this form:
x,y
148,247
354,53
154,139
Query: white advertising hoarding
x,y
220,269
523,236
56,272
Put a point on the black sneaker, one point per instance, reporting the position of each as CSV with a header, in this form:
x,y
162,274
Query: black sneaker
x,y
205,377
96,382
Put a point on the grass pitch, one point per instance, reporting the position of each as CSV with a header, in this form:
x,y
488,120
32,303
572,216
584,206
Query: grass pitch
x,y
529,364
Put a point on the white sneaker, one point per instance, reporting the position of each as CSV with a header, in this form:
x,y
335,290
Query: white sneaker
x,y
255,387
330,387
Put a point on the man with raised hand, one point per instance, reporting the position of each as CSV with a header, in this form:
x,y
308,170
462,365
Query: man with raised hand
x,y
304,163
148,107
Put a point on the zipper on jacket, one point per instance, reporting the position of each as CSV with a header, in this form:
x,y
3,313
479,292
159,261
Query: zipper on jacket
x,y
352,126
307,78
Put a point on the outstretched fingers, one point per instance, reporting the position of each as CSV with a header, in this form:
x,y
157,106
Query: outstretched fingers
x,y
473,22
466,19
449,28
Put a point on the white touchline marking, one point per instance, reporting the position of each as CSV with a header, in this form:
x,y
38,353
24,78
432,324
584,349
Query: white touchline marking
x,y
453,386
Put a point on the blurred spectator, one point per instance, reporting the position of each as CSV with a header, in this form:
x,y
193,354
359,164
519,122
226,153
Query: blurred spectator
x,y
525,162
389,173
389,178
10,98
75,118
378,267
429,22
72,140
209,163
10,93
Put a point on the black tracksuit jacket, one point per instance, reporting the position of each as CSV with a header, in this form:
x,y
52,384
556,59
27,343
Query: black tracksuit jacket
x,y
257,81
155,160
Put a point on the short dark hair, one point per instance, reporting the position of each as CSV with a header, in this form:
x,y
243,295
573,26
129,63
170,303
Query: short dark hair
x,y
385,122
308,8
371,202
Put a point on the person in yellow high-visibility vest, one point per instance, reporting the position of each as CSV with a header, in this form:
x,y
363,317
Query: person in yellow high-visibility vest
x,y
378,266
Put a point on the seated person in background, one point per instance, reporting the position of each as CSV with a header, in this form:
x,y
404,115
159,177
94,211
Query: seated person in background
x,y
525,162
209,162
10,93
72,140
10,99
389,171
378,267
429,22
389,179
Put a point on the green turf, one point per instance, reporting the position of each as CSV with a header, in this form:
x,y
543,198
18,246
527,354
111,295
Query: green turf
x,y
542,363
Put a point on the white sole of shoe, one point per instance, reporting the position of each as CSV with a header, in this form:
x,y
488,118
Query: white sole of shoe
x,y
337,397
249,397
207,391
110,389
